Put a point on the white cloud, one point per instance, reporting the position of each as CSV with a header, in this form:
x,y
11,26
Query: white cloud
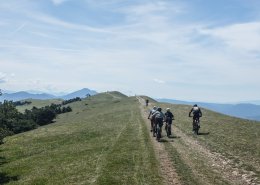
x,y
244,36
159,81
60,23
3,78
18,29
58,2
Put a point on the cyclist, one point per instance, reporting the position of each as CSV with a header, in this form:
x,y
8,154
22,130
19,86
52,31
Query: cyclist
x,y
151,114
196,115
168,119
159,118
146,102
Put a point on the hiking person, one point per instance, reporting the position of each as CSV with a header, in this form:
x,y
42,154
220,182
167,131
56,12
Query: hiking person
x,y
159,118
151,118
168,119
196,116
146,102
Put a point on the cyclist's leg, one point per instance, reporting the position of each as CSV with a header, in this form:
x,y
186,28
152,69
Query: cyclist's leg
x,y
154,127
194,123
170,129
151,124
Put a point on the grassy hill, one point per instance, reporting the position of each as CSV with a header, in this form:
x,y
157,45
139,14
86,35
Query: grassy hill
x,y
103,141
236,140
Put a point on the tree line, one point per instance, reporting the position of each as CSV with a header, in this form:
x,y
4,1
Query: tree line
x,y
20,103
71,100
13,122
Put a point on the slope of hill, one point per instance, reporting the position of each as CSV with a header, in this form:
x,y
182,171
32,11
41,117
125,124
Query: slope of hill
x,y
227,151
103,141
242,110
234,140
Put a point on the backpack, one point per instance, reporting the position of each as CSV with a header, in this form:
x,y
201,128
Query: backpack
x,y
196,111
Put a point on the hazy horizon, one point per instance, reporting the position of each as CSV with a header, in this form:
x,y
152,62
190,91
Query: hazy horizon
x,y
60,94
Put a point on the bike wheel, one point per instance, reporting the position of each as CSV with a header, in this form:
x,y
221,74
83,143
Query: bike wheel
x,y
158,133
169,131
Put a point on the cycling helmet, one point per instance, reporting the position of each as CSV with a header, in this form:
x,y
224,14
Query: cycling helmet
x,y
154,107
195,105
159,109
168,109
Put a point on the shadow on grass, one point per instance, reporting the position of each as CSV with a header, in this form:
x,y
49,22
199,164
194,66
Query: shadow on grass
x,y
4,177
174,137
203,133
163,141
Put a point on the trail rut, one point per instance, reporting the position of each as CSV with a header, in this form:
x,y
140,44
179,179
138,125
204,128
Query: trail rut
x,y
168,172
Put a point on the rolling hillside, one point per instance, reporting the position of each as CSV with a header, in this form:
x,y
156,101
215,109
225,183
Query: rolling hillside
x,y
227,151
103,141
106,140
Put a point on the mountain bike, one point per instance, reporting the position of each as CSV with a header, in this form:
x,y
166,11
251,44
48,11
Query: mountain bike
x,y
196,125
154,129
168,128
159,124
158,132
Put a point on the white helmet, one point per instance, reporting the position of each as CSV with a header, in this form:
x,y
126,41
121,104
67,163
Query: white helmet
x,y
154,107
168,109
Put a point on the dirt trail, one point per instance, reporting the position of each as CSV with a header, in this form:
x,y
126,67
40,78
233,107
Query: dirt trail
x,y
216,162
170,177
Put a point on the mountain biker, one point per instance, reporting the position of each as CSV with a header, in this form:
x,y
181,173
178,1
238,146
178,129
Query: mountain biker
x,y
196,115
151,114
159,118
168,119
146,102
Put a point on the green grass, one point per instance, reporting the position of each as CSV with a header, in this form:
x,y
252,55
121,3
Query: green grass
x,y
103,141
235,138
187,177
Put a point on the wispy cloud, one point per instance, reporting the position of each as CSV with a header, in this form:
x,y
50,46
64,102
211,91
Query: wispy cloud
x,y
18,29
57,22
58,2
2,77
159,81
243,36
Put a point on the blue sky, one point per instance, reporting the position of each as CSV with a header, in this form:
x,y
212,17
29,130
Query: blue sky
x,y
182,49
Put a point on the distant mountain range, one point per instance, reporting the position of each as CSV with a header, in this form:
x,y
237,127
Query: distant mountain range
x,y
21,95
241,110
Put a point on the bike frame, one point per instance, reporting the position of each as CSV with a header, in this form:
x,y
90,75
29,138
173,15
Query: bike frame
x,y
196,122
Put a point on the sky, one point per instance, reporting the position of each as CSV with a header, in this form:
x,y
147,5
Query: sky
x,y
197,50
